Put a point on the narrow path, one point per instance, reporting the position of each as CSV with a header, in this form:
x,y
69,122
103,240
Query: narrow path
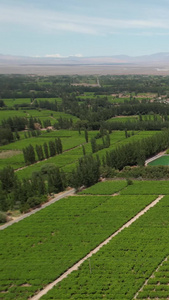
x,y
152,275
78,264
57,198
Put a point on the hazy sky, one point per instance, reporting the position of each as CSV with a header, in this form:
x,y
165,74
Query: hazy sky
x,y
84,27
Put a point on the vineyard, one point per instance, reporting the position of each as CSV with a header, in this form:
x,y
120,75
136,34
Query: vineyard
x,y
121,267
72,227
90,137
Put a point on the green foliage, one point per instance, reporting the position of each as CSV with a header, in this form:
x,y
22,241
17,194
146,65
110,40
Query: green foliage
x,y
72,226
8,179
29,154
120,268
87,172
3,217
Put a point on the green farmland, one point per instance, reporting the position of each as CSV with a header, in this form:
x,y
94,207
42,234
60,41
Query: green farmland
x,y
41,114
89,137
67,160
121,267
32,257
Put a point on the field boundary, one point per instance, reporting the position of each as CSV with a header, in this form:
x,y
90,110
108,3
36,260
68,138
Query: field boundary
x,y
57,198
154,157
79,263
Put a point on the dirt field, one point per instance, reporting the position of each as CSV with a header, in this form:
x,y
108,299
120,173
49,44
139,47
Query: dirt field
x,y
84,69
9,153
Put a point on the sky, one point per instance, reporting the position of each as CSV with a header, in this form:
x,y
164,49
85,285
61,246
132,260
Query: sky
x,y
87,28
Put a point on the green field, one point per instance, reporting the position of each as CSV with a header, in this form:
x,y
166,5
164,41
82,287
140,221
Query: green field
x,y
19,101
161,161
158,284
67,161
152,187
105,188
42,114
32,257
123,119
70,139
121,267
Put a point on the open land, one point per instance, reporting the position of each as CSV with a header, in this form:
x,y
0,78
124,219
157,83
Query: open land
x,y
84,69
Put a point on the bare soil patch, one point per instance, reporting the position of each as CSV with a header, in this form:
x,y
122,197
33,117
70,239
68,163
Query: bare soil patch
x,y
9,153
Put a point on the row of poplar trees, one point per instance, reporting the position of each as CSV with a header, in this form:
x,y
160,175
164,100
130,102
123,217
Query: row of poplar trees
x,y
43,151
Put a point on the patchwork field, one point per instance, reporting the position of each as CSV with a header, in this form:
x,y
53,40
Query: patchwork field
x,y
121,267
42,114
67,160
32,257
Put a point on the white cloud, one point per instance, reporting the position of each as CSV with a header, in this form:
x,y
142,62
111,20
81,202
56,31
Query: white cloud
x,y
56,22
61,56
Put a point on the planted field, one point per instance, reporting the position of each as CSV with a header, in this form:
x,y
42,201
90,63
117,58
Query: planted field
x,y
15,160
106,187
118,100
12,102
121,267
147,188
157,287
123,119
32,257
161,161
42,114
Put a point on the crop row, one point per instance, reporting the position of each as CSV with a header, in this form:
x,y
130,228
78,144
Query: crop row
x,y
38,249
121,267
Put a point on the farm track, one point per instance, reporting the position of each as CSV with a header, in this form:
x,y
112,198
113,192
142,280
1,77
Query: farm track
x,y
57,198
79,263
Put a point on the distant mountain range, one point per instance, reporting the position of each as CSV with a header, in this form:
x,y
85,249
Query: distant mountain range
x,y
154,59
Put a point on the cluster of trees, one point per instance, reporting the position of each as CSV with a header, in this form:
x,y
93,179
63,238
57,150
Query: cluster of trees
x,y
14,123
45,104
135,153
137,125
87,172
42,152
29,193
33,133
105,143
63,123
6,136
20,123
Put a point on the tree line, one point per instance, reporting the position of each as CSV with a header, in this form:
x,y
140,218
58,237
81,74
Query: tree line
x,y
32,192
42,151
